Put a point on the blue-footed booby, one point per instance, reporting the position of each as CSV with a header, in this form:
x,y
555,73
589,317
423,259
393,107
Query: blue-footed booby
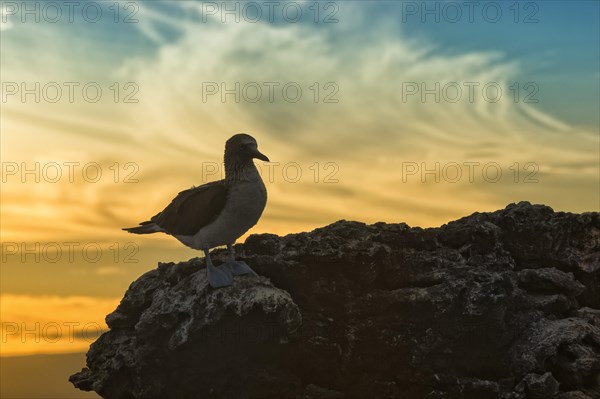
x,y
217,213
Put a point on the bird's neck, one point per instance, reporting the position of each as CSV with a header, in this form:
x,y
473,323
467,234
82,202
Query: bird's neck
x,y
241,171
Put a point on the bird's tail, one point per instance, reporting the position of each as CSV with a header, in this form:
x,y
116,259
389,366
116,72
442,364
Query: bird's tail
x,y
144,228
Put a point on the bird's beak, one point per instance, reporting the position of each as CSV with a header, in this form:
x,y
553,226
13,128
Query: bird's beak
x,y
258,155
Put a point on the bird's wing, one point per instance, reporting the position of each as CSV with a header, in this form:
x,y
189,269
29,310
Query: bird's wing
x,y
192,209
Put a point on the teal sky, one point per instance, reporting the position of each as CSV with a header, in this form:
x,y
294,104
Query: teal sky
x,y
560,51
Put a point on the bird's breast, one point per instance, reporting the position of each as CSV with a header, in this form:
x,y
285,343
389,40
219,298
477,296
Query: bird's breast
x,y
246,201
243,208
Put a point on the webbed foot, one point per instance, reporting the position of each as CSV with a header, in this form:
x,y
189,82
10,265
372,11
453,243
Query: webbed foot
x,y
239,268
219,277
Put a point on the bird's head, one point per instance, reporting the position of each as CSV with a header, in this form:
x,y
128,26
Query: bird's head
x,y
241,148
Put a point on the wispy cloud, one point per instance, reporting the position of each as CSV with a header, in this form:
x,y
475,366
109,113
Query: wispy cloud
x,y
369,133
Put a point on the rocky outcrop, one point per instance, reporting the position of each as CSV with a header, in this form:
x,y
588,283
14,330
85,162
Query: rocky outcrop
x,y
494,305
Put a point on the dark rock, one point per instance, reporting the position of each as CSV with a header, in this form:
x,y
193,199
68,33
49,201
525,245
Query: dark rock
x,y
550,280
539,386
574,395
495,305
315,392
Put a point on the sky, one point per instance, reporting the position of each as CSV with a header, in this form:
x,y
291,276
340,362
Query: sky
x,y
369,110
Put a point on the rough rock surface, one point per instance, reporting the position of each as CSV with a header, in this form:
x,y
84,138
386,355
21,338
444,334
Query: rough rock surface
x,y
494,305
